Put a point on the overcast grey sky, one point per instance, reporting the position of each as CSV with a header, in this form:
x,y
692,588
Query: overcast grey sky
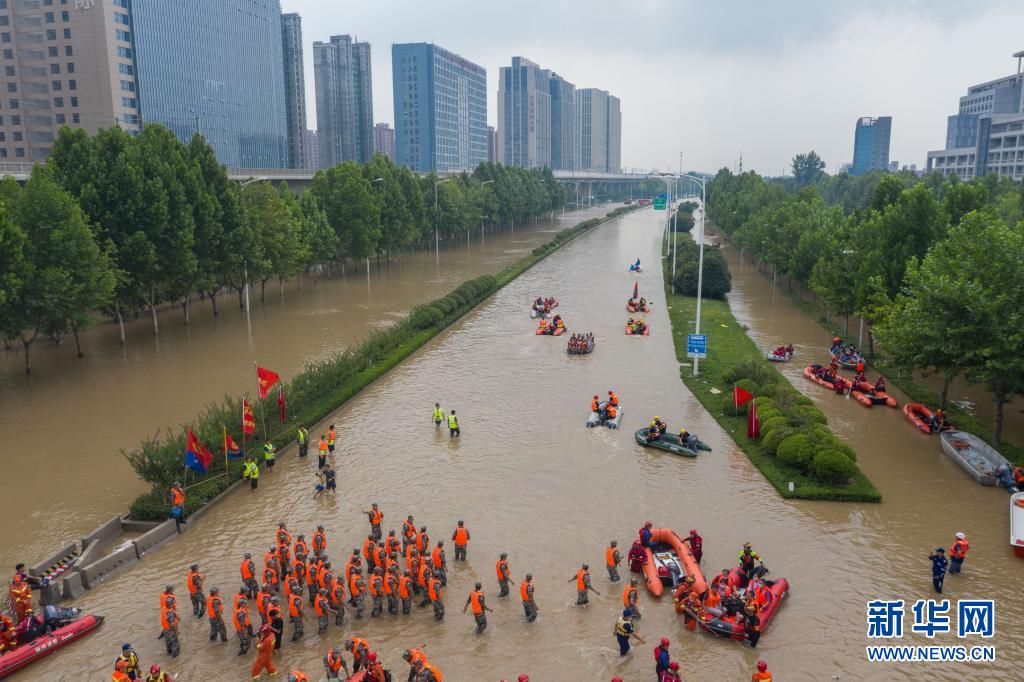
x,y
713,78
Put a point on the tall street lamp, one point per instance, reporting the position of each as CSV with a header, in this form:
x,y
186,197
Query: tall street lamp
x,y
700,250
437,244
373,182
483,217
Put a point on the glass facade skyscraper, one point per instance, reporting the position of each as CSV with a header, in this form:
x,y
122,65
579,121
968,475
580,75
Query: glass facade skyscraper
x,y
524,114
344,100
294,89
215,68
440,104
871,145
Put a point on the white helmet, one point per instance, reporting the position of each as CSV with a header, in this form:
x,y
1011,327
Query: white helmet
x,y
961,536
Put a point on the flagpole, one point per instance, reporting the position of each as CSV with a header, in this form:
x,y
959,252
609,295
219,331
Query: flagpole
x,y
263,406
226,452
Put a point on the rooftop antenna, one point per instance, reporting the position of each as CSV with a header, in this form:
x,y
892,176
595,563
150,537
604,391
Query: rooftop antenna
x,y
1019,56
741,163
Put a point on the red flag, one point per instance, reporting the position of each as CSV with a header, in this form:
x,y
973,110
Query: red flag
x,y
636,290
231,449
753,423
740,397
265,380
248,421
280,401
196,455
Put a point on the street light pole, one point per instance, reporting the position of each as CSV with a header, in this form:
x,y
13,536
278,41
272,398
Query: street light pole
x,y
700,261
437,243
374,182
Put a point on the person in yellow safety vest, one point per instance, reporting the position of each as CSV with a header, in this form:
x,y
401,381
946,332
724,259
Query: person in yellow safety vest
x,y
303,438
269,454
453,426
438,415
251,471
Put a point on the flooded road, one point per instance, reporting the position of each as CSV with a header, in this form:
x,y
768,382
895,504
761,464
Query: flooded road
x,y
69,421
530,480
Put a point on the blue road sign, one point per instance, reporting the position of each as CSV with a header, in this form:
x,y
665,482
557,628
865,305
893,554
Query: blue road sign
x,y
696,346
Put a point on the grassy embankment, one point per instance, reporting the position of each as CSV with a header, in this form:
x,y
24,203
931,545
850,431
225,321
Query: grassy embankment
x,y
733,356
320,388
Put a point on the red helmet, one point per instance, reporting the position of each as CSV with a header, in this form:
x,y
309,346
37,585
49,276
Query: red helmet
x,y
596,397
664,641
372,656
674,665
524,678
610,391
693,531
648,524
761,666
265,629
154,669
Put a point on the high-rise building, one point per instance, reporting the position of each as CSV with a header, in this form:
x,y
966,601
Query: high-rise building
x,y
64,66
984,135
524,115
871,145
344,100
592,129
384,140
209,67
312,151
440,108
563,123
613,147
294,89
492,144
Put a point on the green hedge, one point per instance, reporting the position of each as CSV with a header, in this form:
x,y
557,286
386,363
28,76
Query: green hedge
x,y
313,393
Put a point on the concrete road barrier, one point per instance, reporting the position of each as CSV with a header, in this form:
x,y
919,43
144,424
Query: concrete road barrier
x,y
150,539
72,586
105,533
101,569
40,568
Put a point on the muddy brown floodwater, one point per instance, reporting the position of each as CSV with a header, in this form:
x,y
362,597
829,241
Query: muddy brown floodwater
x,y
66,425
530,480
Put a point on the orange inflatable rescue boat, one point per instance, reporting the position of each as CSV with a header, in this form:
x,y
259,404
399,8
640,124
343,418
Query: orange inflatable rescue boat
x,y
668,550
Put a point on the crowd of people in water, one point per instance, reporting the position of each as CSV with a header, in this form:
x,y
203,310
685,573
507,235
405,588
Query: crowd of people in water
x,y
637,326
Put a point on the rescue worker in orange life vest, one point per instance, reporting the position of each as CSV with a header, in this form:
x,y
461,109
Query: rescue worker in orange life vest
x,y
762,674
480,608
177,498
957,553
583,586
156,675
612,559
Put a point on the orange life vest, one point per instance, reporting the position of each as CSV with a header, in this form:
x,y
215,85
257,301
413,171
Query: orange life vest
x,y
423,543
368,548
501,569
609,556
319,541
581,584
299,676
262,599
376,517
433,670
959,549
177,497
331,436
629,596
301,549
474,601
337,592
376,586
437,558
283,536
408,530
404,587
416,655
461,536
241,618
434,590
295,605
323,447
761,677
321,605
594,405
168,618
195,581
524,591
353,586
613,399
421,577
334,661
390,584
247,568
214,606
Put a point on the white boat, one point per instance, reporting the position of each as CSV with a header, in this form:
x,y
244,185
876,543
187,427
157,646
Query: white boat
x,y
775,357
1017,523
595,420
977,457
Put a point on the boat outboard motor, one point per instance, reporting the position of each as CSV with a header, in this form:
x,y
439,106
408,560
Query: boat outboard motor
x,y
1005,477
58,616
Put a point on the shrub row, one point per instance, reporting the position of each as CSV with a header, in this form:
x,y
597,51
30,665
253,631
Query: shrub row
x,y
792,428
313,393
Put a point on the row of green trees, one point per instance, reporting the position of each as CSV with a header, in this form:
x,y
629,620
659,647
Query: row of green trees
x,y
118,224
930,264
